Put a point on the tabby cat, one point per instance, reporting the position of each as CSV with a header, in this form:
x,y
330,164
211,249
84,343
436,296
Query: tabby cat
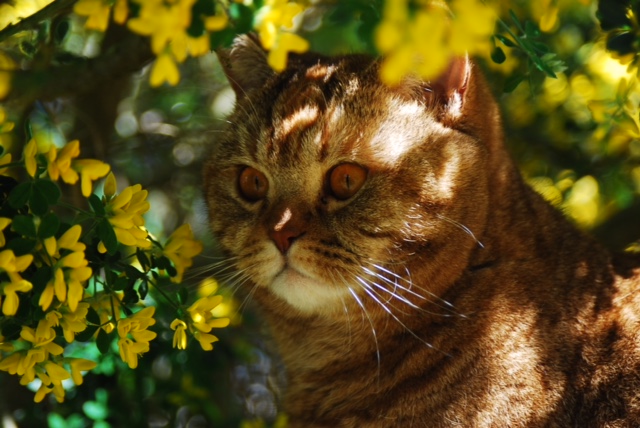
x,y
408,274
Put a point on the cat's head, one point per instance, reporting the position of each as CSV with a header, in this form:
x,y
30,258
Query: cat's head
x,y
329,189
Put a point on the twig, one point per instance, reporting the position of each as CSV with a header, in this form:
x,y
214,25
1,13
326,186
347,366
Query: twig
x,y
52,9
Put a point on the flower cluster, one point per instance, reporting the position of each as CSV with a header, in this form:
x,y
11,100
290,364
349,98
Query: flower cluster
x,y
275,25
424,42
199,322
84,281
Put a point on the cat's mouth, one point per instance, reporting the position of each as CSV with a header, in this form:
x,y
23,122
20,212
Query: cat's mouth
x,y
306,292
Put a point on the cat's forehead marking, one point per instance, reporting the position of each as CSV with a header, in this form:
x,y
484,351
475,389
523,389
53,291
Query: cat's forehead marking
x,y
320,72
300,118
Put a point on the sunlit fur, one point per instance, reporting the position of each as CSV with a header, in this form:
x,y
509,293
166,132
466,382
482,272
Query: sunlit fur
x,y
445,292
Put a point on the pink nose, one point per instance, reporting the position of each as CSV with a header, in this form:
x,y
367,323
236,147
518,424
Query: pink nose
x,y
284,237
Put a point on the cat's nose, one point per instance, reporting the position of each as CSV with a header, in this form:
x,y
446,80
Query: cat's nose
x,y
284,237
286,230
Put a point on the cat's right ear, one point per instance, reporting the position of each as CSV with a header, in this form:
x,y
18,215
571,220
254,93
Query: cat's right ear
x,y
245,64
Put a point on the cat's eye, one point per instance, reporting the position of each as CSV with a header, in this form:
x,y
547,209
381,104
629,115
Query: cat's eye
x,y
346,179
252,184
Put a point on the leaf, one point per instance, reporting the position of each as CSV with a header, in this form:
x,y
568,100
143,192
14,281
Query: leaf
x,y
49,226
86,334
21,246
103,341
143,260
121,284
95,411
143,289
96,204
512,83
23,224
20,195
11,328
108,236
242,17
93,317
183,295
38,202
506,41
498,55
49,189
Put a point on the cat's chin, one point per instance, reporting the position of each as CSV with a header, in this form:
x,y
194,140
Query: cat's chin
x,y
309,295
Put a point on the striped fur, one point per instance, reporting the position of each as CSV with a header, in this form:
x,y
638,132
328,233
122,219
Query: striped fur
x,y
445,292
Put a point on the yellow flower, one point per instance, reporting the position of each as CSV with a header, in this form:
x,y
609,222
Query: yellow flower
x,y
164,70
120,11
90,170
276,17
30,151
4,222
71,322
423,42
96,11
80,365
134,336
285,43
44,390
103,304
70,270
110,186
12,265
11,300
59,162
162,21
181,248
124,212
202,320
5,159
180,335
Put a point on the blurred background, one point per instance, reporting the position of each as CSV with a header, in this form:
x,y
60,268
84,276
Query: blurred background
x,y
575,135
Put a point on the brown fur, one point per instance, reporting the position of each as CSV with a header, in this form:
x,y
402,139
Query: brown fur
x,y
387,312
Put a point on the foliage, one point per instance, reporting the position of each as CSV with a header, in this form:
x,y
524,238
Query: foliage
x,y
96,281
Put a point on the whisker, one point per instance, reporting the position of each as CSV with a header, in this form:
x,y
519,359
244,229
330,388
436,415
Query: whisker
x,y
460,226
373,329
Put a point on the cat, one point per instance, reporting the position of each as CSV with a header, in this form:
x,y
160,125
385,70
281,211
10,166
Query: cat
x,y
409,276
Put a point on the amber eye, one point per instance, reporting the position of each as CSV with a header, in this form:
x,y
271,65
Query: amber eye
x,y
252,184
346,179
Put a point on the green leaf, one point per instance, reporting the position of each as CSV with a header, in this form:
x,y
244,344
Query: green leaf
x,y
242,17
49,226
93,317
21,246
38,202
103,341
11,328
23,224
143,289
512,83
531,30
183,295
20,195
96,204
86,334
196,29
498,55
130,297
506,41
108,236
143,259
121,283
49,189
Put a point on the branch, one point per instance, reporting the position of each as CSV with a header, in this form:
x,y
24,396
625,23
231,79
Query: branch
x,y
122,59
52,9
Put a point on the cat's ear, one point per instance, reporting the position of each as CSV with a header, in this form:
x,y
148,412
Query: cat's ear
x,y
451,86
245,64
464,99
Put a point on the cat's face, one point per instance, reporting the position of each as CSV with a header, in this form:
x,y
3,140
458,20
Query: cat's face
x,y
328,188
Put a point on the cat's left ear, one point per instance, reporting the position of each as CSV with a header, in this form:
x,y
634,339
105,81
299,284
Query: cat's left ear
x,y
451,86
465,101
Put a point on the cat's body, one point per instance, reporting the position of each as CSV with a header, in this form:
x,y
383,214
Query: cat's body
x,y
409,276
